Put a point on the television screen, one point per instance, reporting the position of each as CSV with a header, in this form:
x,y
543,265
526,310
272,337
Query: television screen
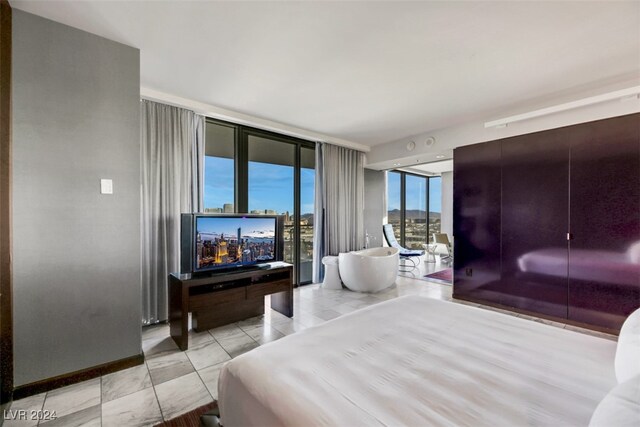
x,y
234,241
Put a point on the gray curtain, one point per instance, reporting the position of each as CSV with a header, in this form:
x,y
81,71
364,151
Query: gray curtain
x,y
339,205
172,149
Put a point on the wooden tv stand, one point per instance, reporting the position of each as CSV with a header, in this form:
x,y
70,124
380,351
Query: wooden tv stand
x,y
221,298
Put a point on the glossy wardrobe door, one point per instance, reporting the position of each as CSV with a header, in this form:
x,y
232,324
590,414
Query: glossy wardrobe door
x,y
604,256
535,201
476,221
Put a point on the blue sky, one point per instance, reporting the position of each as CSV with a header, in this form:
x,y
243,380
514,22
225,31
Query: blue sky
x,y
218,181
270,186
415,193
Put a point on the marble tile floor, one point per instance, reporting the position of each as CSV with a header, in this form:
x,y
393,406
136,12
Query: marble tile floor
x,y
172,382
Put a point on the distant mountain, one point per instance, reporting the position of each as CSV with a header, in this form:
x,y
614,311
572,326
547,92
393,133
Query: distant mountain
x,y
260,234
206,235
412,214
308,217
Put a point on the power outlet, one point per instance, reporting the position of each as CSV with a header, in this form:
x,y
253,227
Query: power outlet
x,y
468,271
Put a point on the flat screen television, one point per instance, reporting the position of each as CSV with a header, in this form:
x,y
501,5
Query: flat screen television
x,y
229,241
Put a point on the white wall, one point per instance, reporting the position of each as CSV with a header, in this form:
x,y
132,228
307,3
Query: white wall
x,y
385,156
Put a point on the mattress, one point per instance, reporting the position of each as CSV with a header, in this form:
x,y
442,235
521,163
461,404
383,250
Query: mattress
x,y
417,361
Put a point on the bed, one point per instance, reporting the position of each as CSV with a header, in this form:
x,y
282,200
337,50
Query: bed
x,y
417,361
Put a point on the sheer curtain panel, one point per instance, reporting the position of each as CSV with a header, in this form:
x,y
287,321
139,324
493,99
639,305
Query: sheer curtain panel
x,y
339,203
172,144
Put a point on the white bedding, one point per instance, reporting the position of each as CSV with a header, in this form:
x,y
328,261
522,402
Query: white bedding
x,y
420,362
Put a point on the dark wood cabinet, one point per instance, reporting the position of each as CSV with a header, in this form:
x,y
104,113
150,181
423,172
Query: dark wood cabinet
x,y
535,200
476,220
221,298
604,264
549,223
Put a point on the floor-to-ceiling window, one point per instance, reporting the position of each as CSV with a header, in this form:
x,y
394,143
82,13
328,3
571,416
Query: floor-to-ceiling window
x,y
259,172
415,211
413,207
219,168
394,202
271,186
307,202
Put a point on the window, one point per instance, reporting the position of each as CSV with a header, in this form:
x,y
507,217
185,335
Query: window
x,y
271,192
259,172
219,168
307,202
414,207
415,212
393,201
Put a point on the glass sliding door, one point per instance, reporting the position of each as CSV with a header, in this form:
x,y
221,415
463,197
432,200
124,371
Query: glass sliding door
x,y
219,168
435,205
254,171
307,202
414,206
271,184
415,212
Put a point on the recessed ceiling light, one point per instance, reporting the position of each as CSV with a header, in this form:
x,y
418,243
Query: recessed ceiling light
x,y
439,156
396,164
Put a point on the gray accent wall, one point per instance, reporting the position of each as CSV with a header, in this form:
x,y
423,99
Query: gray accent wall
x,y
77,296
374,205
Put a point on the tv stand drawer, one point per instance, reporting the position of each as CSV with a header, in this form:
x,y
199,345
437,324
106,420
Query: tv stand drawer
x,y
262,289
201,301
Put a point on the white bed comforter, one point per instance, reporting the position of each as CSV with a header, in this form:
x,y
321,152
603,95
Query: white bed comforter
x,y
420,362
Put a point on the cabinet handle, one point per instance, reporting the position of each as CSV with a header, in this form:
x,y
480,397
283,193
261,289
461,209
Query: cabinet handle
x,y
569,236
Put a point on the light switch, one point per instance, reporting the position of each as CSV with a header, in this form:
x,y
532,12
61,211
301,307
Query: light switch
x,y
106,186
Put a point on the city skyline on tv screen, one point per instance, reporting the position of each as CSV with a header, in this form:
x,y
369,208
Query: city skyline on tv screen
x,y
234,241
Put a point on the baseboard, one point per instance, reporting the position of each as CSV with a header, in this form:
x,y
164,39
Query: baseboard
x,y
540,315
76,377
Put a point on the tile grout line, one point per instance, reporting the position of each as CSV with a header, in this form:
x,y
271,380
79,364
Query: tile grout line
x,y
205,385
101,380
196,371
155,393
42,407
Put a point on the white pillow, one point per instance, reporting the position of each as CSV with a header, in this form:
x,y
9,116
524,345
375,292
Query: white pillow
x,y
634,253
620,407
627,362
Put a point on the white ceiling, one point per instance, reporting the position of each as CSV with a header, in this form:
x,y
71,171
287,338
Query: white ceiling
x,y
435,168
361,71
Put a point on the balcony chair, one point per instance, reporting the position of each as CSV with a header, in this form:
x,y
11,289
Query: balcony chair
x,y
443,239
409,259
